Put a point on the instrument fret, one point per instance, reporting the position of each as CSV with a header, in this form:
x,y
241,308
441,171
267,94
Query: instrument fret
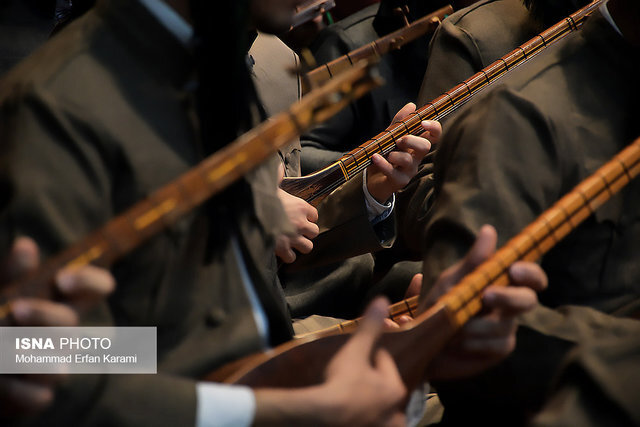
x,y
376,48
452,99
357,160
534,241
550,227
307,357
166,205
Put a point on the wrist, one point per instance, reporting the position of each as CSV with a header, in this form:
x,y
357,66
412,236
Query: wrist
x,y
378,191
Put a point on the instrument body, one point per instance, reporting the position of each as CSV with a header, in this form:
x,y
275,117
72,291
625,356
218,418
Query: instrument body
x,y
166,205
302,362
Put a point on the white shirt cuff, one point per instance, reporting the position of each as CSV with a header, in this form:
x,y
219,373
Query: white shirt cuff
x,y
417,405
376,211
224,405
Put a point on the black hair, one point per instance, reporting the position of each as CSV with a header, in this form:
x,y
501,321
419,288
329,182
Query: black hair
x,y
224,83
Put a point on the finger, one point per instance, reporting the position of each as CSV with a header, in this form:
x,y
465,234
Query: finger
x,y
302,244
397,168
23,257
404,112
433,129
283,249
414,286
418,147
510,300
369,330
382,164
390,324
309,229
404,319
492,326
528,274
38,312
384,363
401,161
483,247
311,212
87,284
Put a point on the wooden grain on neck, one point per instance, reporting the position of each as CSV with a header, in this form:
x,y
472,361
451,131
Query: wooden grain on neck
x,y
315,187
302,362
166,205
382,46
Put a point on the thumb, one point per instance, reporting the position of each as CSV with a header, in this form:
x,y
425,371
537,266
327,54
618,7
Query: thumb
x,y
404,112
482,248
23,257
370,328
414,286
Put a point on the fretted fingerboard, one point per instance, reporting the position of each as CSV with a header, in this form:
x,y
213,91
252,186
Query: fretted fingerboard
x,y
548,229
303,362
169,203
382,46
534,241
358,159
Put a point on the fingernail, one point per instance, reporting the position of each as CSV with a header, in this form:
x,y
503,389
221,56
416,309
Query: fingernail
x,y
515,272
378,310
489,297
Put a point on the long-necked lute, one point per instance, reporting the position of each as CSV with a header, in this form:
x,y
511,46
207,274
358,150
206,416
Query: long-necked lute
x,y
315,187
172,201
379,47
302,362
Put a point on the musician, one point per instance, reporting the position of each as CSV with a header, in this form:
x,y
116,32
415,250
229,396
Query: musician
x,y
401,69
351,221
509,156
466,42
103,115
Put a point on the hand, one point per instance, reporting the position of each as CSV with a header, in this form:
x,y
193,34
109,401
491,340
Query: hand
x,y
372,392
387,176
81,287
303,217
412,290
490,337
362,387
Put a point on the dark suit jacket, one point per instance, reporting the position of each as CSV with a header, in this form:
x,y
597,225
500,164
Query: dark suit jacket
x,y
472,38
98,119
334,277
402,71
506,159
